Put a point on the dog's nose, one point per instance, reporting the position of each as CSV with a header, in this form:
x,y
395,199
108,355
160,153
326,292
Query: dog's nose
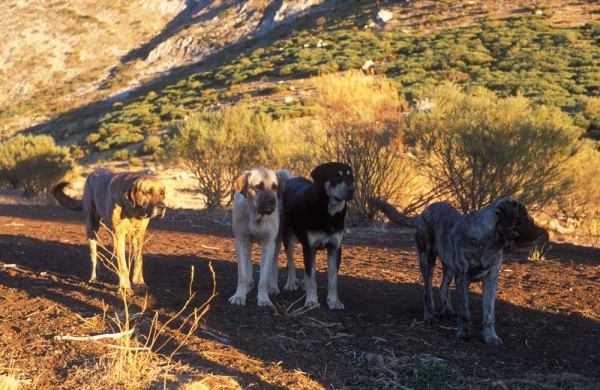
x,y
350,193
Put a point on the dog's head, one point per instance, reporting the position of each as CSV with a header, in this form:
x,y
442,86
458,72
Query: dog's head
x,y
147,194
515,224
336,179
262,187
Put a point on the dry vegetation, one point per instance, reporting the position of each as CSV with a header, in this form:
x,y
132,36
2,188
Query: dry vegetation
x,y
62,55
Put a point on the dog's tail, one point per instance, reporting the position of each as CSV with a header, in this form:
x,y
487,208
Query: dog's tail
x,y
65,200
393,214
284,175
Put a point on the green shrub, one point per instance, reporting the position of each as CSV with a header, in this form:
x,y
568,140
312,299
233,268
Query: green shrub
x,y
477,147
218,146
136,162
34,163
153,146
122,154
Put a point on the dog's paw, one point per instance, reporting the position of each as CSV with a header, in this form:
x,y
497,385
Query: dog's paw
x,y
263,299
125,290
274,290
335,305
430,319
267,302
463,335
292,285
140,288
311,304
492,339
238,300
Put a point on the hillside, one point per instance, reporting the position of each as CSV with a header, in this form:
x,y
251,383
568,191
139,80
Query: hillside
x,y
68,63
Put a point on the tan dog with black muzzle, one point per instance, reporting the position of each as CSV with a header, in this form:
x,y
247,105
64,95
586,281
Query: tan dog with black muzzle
x,y
256,217
124,202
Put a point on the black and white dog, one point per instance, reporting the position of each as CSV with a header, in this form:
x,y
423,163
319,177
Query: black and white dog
x,y
314,214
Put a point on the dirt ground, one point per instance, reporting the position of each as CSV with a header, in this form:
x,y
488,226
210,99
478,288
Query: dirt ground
x,y
547,313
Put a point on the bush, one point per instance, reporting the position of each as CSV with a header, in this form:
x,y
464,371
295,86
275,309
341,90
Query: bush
x,y
362,117
477,147
218,146
34,163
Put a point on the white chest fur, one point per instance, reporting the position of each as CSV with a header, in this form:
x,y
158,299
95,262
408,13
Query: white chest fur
x,y
321,239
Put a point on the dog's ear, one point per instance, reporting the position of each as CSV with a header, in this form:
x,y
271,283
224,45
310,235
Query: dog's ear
x,y
522,211
130,194
241,184
280,186
319,174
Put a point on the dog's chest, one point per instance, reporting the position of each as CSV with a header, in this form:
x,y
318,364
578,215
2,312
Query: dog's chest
x,y
321,240
263,230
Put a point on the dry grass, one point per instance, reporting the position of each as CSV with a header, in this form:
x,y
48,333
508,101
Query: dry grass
x,y
538,254
144,346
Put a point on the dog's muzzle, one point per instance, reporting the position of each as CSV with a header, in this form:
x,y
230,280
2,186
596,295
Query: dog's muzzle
x,y
349,195
267,207
157,210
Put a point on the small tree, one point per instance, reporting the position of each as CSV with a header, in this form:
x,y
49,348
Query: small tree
x,y
34,163
363,118
477,147
217,146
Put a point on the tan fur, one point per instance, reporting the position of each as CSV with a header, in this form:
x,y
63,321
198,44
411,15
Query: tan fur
x,y
124,202
256,216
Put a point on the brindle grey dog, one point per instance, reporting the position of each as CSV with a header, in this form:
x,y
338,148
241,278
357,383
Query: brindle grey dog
x,y
470,248
124,202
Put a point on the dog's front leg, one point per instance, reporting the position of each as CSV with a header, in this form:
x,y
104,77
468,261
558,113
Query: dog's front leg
x,y
310,279
244,263
447,277
122,264
490,289
266,260
334,257
138,274
464,316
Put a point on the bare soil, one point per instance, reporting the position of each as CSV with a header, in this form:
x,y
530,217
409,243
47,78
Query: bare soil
x,y
547,313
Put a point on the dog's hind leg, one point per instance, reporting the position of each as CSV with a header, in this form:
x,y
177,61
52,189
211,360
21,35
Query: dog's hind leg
x,y
94,258
427,263
293,282
447,277
244,263
490,288
92,226
274,274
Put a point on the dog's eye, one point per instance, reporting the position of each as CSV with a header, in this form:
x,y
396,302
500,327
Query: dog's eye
x,y
260,186
274,187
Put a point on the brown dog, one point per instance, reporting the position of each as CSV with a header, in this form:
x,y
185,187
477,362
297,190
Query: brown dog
x,y
124,202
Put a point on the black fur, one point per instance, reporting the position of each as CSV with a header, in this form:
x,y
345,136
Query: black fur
x,y
311,211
